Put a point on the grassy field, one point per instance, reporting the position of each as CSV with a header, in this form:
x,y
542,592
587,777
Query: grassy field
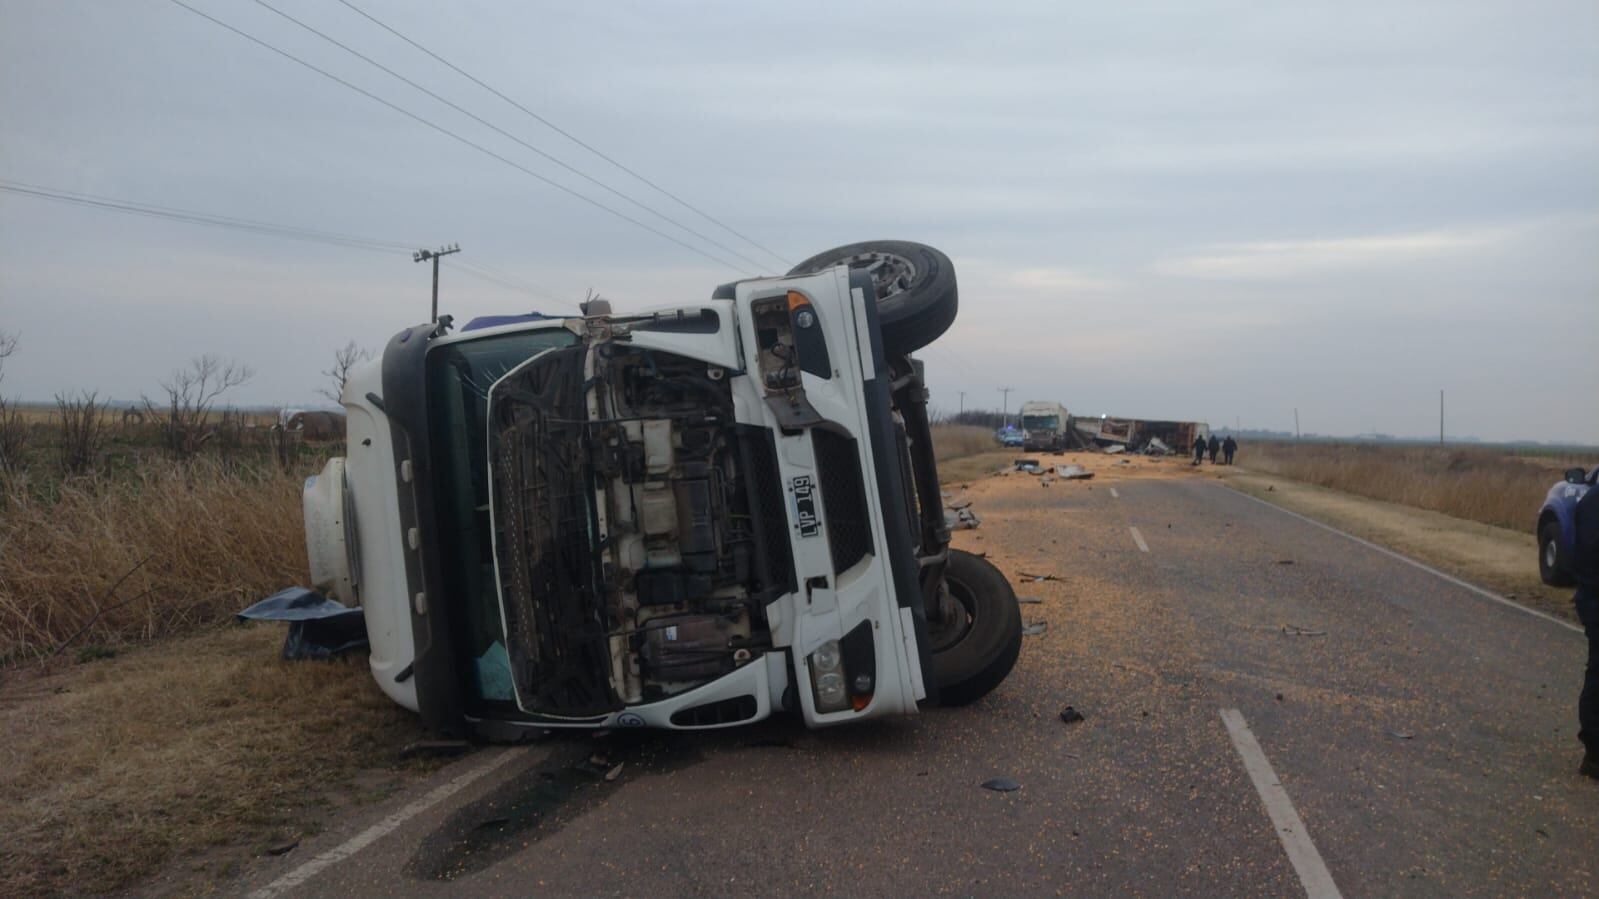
x,y
147,735
1486,485
184,758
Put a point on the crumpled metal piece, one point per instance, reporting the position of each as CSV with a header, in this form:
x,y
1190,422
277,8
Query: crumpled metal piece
x,y
319,628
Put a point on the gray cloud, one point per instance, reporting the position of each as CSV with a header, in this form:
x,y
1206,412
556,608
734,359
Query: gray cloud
x,y
1216,210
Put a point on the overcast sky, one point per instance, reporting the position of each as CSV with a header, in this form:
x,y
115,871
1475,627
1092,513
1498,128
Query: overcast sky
x,y
1219,211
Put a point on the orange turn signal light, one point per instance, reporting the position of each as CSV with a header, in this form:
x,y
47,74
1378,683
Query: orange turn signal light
x,y
797,299
860,701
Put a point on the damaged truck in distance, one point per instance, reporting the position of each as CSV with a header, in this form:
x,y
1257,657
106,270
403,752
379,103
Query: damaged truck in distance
x,y
685,518
1044,426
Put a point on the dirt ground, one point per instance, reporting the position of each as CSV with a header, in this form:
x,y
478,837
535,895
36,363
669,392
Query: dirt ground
x,y
181,760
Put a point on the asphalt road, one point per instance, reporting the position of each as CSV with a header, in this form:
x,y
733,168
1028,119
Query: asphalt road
x,y
1423,735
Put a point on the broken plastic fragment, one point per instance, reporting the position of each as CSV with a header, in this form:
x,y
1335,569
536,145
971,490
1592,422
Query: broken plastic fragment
x,y
1001,784
1070,715
1036,628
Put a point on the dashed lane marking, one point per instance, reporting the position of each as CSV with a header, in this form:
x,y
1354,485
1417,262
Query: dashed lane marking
x,y
1139,539
1302,854
1114,494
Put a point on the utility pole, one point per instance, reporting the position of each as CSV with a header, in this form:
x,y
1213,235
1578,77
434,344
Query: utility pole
x,y
1296,422
1440,418
425,255
963,402
1004,415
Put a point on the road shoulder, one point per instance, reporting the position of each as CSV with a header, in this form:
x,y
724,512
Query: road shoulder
x,y
1498,559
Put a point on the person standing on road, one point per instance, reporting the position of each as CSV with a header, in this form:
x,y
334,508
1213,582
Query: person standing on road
x,y
1215,447
1228,447
1585,567
1199,449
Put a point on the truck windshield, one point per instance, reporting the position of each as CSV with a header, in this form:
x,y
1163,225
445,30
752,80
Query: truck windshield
x,y
459,378
1040,422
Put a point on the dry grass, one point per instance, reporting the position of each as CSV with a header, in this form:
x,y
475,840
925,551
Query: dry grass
x,y
1482,485
955,441
166,756
210,537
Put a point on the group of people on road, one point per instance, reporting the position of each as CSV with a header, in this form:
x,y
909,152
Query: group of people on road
x,y
1213,446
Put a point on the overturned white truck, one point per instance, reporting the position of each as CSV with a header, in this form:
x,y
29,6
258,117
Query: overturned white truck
x,y
685,518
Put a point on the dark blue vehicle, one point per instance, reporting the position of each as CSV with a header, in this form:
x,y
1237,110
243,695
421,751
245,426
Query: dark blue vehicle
x,y
1556,528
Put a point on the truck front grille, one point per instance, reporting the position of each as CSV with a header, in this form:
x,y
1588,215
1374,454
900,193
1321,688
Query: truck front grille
x,y
768,508
849,529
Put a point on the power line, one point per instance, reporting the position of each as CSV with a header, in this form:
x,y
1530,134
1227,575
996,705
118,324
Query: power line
x,y
483,273
476,269
451,134
501,131
567,134
291,232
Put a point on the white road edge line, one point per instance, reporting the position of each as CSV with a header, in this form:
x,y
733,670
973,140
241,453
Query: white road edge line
x,y
1114,494
381,829
1139,539
1485,594
1302,854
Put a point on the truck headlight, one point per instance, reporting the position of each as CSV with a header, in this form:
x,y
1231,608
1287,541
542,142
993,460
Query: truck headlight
x,y
827,678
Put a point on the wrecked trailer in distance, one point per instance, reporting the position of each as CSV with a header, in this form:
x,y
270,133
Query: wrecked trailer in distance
x,y
685,518
1138,435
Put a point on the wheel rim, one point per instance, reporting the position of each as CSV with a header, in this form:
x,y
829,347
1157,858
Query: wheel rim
x,y
1549,553
959,616
891,274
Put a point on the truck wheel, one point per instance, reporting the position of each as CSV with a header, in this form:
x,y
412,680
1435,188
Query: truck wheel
x,y
977,643
916,295
1549,562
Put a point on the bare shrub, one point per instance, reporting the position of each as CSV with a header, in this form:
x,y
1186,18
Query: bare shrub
x,y
191,393
13,429
211,537
81,423
14,432
344,359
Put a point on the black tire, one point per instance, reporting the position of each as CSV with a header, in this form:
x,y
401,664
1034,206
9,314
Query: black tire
x,y
916,295
1551,567
979,659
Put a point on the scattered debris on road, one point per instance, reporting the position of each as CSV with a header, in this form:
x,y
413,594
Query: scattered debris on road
x,y
1038,577
1036,628
1294,630
283,848
1401,735
1001,785
1028,599
1073,472
1285,561
1069,715
614,773
964,519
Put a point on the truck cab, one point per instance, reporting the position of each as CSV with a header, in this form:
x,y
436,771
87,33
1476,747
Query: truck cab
x,y
1044,426
686,517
